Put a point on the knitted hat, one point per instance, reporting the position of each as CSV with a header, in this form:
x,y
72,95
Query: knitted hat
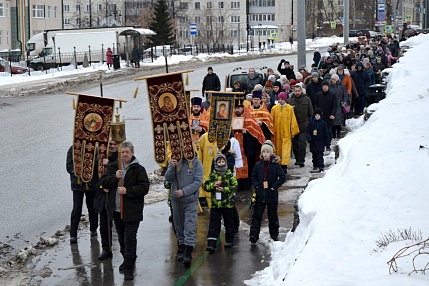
x,y
221,170
268,146
257,94
336,77
269,84
277,83
219,156
340,67
282,95
210,69
293,82
327,76
318,111
315,74
196,101
286,86
325,82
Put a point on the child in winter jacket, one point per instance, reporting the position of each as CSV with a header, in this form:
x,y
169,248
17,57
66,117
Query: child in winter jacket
x,y
318,137
222,184
267,178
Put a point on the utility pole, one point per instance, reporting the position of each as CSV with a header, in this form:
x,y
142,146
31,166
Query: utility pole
x,y
346,21
301,34
291,21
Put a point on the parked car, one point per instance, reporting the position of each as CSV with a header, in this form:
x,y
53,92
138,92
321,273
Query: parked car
x,y
353,33
15,69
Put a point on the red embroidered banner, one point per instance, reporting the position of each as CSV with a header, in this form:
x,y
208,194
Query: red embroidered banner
x,y
170,117
91,130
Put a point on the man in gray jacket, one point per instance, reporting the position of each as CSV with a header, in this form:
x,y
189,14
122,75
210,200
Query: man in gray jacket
x,y
186,179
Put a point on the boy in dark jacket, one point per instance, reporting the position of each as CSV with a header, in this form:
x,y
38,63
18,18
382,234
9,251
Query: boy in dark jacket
x,y
267,178
222,184
318,137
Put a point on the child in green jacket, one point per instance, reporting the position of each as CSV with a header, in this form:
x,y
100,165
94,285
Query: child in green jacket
x,y
222,184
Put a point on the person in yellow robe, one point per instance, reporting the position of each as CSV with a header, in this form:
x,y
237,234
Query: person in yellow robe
x,y
285,127
206,153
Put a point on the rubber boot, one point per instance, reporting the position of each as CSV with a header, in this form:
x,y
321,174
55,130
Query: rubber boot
x,y
180,252
128,267
187,257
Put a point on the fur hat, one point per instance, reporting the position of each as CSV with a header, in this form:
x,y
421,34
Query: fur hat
x,y
335,76
282,95
283,77
268,146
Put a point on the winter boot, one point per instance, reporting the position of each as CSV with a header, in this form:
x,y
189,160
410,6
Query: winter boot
x,y
128,267
187,257
122,266
180,252
105,254
211,245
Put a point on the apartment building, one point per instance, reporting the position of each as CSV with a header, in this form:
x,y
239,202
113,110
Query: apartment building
x,y
21,19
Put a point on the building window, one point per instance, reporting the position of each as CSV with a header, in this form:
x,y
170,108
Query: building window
x,y
183,6
66,21
77,8
55,12
197,19
235,19
197,5
234,33
88,8
38,11
2,10
220,5
66,8
49,12
99,7
209,5
340,3
220,19
235,5
1,42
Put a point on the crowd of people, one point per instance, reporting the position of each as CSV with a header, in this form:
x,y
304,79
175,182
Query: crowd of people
x,y
274,116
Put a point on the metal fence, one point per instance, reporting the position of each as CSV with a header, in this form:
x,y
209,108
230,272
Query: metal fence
x,y
54,63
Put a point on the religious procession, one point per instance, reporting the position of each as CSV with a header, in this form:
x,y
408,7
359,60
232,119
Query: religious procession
x,y
208,147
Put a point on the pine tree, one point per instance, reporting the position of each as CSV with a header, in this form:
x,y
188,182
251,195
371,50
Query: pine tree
x,y
161,24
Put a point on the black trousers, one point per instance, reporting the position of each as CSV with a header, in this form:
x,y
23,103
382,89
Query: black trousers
x,y
215,223
105,228
77,211
127,235
273,219
299,146
318,161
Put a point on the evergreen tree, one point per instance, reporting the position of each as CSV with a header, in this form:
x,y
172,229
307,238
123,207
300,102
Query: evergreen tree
x,y
161,24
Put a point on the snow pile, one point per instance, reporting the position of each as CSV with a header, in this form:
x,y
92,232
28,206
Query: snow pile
x,y
378,186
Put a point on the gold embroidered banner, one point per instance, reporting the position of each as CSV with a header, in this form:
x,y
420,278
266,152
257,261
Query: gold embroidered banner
x,y
170,117
91,130
221,113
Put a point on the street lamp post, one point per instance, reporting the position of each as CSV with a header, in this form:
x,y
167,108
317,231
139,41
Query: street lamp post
x,y
259,36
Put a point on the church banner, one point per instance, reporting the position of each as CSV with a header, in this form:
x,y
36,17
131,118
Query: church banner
x,y
221,113
91,132
170,117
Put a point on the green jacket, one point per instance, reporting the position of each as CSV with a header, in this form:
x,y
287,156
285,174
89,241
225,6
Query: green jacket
x,y
229,184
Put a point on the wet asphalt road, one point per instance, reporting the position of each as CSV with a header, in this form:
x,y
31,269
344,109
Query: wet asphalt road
x,y
156,263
